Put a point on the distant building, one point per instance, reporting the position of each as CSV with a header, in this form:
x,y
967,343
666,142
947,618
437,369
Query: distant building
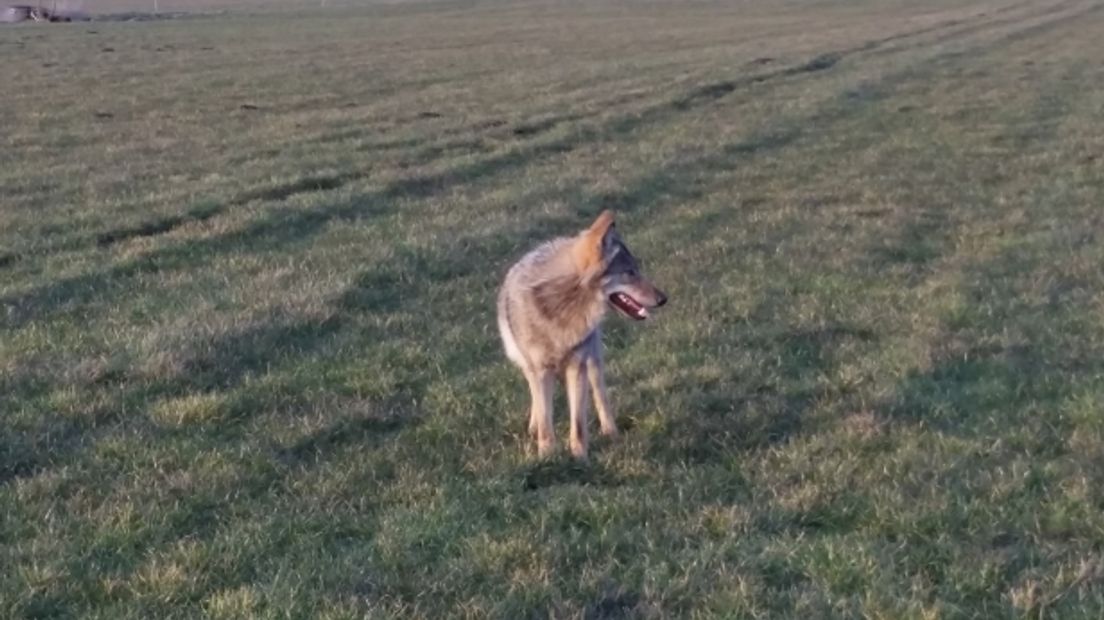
x,y
40,13
14,14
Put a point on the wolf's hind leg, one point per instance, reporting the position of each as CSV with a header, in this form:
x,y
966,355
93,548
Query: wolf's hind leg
x,y
533,423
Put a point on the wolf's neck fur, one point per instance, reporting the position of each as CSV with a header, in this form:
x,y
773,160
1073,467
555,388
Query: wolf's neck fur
x,y
573,305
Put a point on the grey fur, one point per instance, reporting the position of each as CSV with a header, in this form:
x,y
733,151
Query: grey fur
x,y
550,310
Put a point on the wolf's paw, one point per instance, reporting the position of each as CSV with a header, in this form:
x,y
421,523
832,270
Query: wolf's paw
x,y
546,448
579,451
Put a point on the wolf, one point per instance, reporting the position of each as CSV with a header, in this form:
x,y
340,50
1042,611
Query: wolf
x,y
550,309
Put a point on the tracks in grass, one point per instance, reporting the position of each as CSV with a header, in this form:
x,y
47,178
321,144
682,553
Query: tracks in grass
x,y
302,224
205,212
533,129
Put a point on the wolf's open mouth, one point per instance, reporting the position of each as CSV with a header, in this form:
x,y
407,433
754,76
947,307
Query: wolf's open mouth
x,y
629,306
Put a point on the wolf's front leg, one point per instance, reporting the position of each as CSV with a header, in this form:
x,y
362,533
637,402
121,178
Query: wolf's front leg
x,y
596,373
541,384
579,404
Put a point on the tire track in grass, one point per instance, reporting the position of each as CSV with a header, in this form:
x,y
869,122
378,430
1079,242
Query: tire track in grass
x,y
533,128
289,226
206,210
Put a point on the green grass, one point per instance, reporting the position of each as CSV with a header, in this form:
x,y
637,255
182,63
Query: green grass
x,y
248,363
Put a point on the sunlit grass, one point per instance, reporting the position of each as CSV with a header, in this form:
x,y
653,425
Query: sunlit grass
x,y
248,362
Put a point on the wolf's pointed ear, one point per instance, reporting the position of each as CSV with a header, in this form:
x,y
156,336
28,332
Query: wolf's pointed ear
x,y
588,247
601,225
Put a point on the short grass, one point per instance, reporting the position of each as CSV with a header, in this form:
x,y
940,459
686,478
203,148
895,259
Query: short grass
x,y
248,363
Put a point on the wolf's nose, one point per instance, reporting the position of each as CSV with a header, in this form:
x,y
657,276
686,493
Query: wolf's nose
x,y
660,298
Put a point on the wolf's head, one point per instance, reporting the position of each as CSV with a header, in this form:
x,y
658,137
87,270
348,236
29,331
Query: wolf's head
x,y
605,261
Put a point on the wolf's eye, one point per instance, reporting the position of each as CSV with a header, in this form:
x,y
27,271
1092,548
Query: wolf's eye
x,y
631,273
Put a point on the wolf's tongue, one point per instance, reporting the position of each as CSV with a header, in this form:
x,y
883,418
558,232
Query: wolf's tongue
x,y
629,306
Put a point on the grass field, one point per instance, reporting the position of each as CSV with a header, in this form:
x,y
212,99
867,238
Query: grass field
x,y
248,362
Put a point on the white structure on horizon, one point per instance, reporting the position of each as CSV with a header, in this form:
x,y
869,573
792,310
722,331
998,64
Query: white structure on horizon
x,y
41,10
